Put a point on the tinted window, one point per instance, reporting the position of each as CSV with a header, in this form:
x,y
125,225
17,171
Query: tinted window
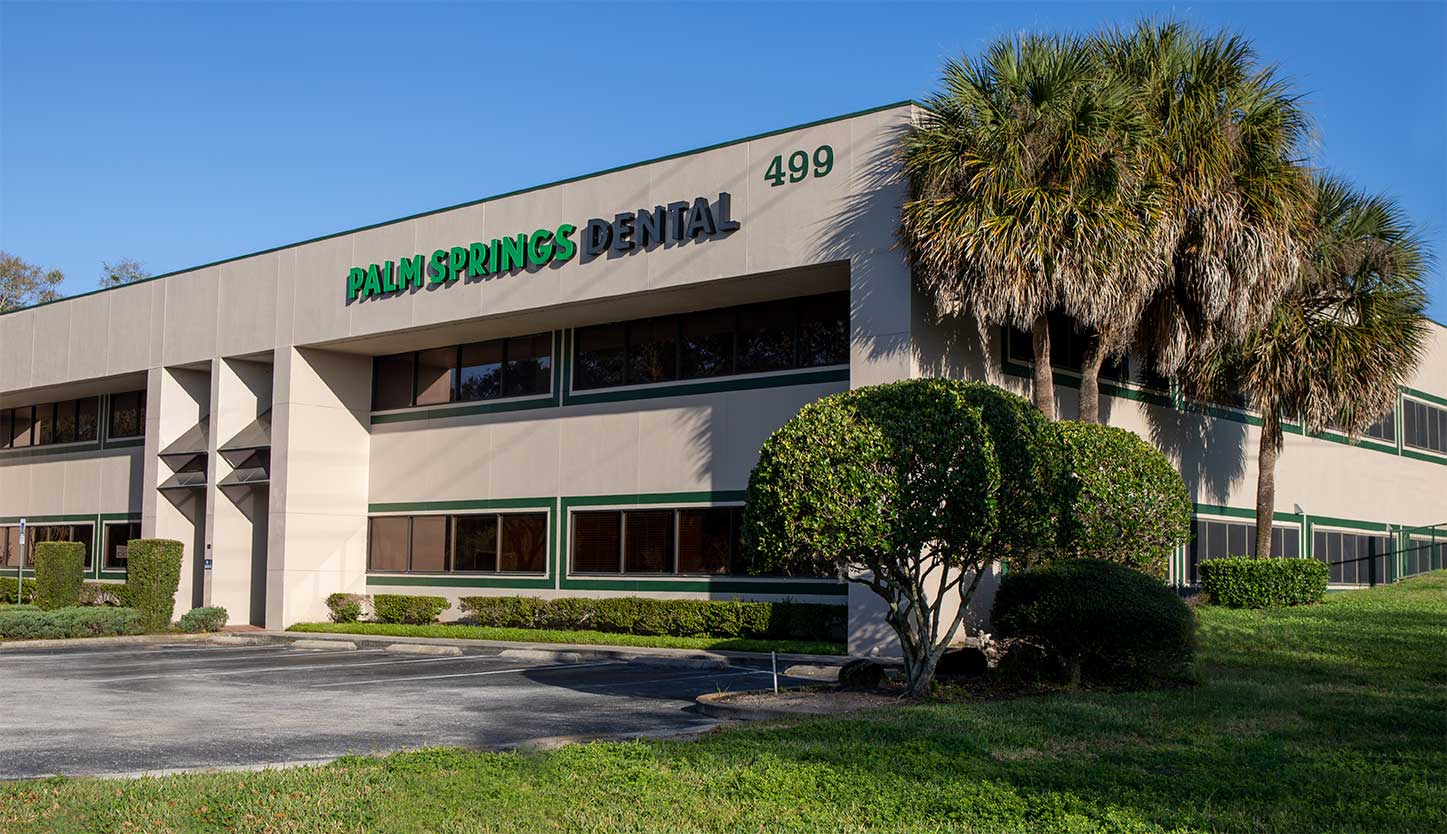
x,y
117,541
824,330
706,540
601,353
529,367
480,377
596,542
430,536
1219,539
476,543
652,351
64,431
648,541
388,543
524,543
707,346
22,418
435,369
128,414
392,381
87,413
766,338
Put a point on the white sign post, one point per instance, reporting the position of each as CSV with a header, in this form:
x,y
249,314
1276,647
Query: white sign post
x,y
20,566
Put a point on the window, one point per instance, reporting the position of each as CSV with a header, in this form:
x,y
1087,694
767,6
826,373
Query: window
x,y
1352,558
684,541
117,542
807,332
1422,555
128,414
68,421
1219,539
473,543
1385,428
516,367
1424,426
1067,349
37,533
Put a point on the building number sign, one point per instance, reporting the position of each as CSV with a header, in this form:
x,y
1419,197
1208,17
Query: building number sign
x,y
800,165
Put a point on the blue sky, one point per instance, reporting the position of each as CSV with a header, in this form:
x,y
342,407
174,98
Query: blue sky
x,y
182,134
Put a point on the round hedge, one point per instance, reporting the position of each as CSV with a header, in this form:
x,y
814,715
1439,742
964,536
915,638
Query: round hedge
x,y
1125,502
1102,621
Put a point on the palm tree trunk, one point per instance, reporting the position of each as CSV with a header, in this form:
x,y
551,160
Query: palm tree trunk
x,y
1090,380
1266,482
1044,378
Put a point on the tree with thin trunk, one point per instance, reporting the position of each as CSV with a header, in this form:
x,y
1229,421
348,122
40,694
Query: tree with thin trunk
x,y
1226,138
123,271
1027,193
1337,347
23,284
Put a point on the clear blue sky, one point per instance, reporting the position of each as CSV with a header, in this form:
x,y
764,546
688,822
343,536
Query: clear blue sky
x,y
182,134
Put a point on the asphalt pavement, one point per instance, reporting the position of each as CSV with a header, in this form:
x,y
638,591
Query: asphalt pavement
x,y
126,710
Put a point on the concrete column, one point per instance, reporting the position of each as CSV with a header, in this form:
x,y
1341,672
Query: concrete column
x,y
176,400
240,392
320,456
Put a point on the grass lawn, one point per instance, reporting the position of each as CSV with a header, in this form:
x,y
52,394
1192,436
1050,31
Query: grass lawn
x,y
1318,719
591,638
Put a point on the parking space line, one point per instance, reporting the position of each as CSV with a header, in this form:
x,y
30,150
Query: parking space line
x,y
296,668
159,651
467,674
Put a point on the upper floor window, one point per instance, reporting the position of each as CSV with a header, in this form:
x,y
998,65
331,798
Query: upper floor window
x,y
1424,426
807,332
68,421
516,367
128,414
1068,345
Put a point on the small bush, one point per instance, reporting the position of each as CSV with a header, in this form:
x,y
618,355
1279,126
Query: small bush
x,y
1125,501
861,673
35,624
59,572
103,593
1245,582
8,586
662,617
345,608
1100,620
212,618
407,609
964,662
153,572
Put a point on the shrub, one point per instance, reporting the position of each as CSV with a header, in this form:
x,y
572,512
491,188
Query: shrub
x,y
35,624
103,593
59,572
153,572
861,673
212,618
884,485
1100,620
345,608
8,586
662,617
1126,503
1245,582
406,609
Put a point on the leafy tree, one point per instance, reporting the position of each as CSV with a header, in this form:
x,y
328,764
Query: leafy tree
x,y
1126,502
1227,139
1336,348
1027,192
23,284
123,271
891,486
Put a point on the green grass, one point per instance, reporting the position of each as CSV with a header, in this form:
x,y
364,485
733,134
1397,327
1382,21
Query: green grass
x,y
1328,718
591,638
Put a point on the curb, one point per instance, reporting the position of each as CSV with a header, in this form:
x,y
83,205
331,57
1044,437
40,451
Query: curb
x,y
344,645
713,705
417,648
124,640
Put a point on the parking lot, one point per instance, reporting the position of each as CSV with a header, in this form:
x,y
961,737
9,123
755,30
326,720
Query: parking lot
x,y
131,709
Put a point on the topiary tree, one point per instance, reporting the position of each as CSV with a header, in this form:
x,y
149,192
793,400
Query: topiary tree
x,y
892,486
1099,620
153,572
1125,502
59,574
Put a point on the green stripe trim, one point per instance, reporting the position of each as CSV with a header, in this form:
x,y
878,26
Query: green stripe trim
x,y
683,389
1350,523
727,496
32,520
442,413
1427,456
471,504
1423,395
495,197
384,580
1238,512
782,587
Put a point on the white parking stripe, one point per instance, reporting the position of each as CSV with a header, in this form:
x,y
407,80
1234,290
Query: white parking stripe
x,y
294,668
468,674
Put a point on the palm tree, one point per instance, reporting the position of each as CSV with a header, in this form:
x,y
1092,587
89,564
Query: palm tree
x,y
1338,345
1226,137
1026,191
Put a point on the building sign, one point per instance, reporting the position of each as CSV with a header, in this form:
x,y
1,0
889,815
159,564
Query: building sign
x,y
630,230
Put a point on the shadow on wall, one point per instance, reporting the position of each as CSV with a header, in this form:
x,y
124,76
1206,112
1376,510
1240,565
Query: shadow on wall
x,y
1210,453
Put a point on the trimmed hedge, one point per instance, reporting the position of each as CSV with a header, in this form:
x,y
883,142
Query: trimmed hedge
x,y
407,609
345,608
1126,503
59,572
35,624
210,618
153,572
662,617
7,591
1100,620
1246,582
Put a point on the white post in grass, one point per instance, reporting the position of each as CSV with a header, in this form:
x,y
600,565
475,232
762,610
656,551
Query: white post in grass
x,y
774,658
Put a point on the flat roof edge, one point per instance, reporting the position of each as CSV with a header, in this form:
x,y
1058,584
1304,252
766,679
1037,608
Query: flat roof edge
x,y
479,201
